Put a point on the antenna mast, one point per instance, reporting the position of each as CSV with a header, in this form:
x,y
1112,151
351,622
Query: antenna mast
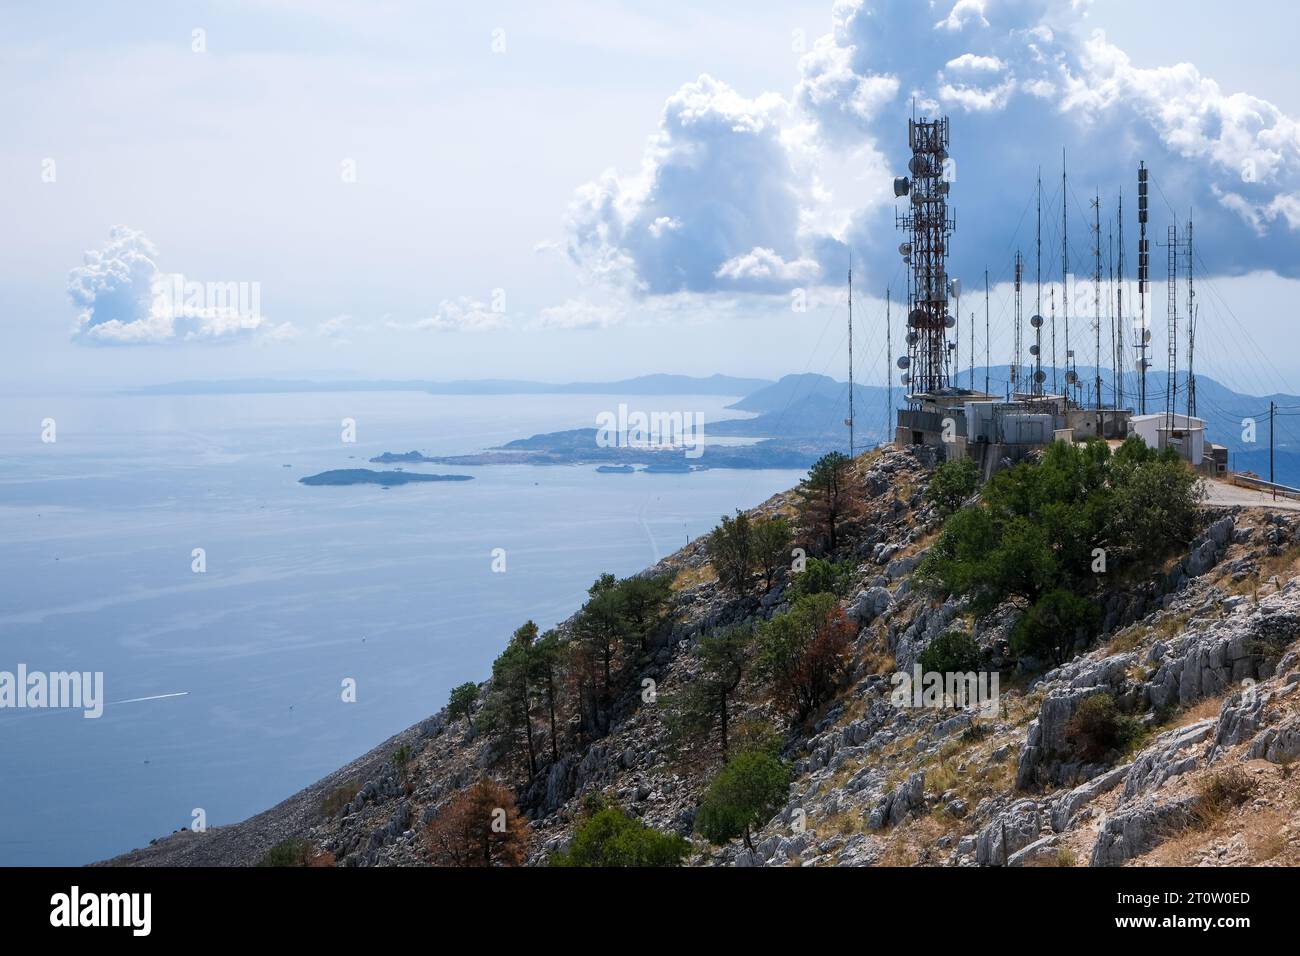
x,y
1119,306
1171,381
1065,279
850,419
1191,328
986,332
1096,294
888,373
931,225
1144,263
1019,312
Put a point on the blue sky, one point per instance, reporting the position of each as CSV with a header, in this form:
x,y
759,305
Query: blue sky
x,y
588,190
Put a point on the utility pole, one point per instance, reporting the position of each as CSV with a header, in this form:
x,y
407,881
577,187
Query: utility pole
x,y
1272,410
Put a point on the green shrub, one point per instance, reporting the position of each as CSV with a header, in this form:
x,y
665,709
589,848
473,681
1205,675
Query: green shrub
x,y
731,550
821,577
401,756
1098,728
462,699
1053,625
294,851
952,483
950,653
610,837
742,797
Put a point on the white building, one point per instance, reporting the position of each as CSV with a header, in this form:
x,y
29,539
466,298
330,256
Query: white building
x,y
1187,434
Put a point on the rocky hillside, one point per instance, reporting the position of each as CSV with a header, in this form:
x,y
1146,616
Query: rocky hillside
x,y
1202,657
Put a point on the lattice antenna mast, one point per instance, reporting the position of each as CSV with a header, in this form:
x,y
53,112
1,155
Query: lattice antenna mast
x,y
1037,321
1191,328
1171,382
1144,275
1110,309
1096,288
1119,309
930,226
1065,279
849,420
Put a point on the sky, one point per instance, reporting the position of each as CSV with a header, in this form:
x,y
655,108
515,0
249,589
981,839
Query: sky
x,y
302,189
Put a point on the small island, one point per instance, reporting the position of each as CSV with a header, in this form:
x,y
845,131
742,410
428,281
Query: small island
x,y
365,476
615,470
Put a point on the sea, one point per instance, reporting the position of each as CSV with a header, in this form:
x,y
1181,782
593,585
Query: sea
x,y
165,542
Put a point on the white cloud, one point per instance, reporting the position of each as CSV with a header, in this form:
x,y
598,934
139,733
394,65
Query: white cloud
x,y
123,298
579,314
463,314
723,176
765,266
962,15
973,62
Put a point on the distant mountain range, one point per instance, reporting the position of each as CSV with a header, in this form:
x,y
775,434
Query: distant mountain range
x,y
805,412
641,385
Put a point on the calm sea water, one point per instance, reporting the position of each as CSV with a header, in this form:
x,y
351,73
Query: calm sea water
x,y
304,587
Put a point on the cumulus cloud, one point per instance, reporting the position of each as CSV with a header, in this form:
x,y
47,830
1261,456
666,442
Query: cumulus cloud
x,y
463,314
123,298
1022,79
580,313
721,180
729,196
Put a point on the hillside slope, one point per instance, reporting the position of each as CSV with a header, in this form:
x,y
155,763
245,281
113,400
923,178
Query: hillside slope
x,y
1203,654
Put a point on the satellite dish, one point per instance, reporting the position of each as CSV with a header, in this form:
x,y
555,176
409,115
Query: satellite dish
x,y
1033,350
1071,377
1146,335
902,186
949,322
916,165
1036,321
904,361
905,249
916,318
917,199
912,338
905,379
1040,377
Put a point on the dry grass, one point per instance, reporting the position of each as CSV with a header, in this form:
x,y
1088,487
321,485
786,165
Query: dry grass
x,y
1209,707
1128,639
694,577
339,797
1219,793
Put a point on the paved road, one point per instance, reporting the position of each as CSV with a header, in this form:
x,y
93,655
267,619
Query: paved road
x,y
1223,494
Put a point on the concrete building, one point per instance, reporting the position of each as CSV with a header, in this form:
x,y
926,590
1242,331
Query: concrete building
x,y
1187,434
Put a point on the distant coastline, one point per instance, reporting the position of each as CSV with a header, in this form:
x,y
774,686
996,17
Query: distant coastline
x,y
367,476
